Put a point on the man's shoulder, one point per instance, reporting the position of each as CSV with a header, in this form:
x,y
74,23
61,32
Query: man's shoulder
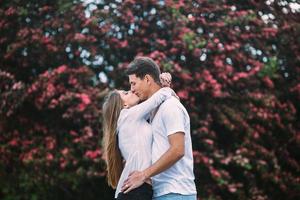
x,y
171,104
172,108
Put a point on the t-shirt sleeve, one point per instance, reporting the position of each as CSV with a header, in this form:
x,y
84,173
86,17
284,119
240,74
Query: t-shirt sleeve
x,y
173,119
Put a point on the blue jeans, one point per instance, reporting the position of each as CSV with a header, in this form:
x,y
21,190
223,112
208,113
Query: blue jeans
x,y
174,196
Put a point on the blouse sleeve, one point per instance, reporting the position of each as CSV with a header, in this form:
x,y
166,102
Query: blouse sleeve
x,y
143,109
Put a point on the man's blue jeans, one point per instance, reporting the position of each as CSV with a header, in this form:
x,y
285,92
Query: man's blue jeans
x,y
174,196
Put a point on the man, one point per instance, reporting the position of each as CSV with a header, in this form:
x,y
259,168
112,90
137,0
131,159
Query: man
x,y
172,159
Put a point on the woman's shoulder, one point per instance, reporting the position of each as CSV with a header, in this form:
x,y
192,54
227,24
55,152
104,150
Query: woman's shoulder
x,y
123,114
126,113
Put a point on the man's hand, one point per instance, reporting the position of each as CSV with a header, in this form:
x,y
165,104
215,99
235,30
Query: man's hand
x,y
134,180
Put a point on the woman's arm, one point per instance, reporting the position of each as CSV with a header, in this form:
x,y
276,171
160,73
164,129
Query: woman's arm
x,y
143,109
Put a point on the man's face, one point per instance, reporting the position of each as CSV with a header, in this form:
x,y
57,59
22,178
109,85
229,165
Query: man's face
x,y
139,86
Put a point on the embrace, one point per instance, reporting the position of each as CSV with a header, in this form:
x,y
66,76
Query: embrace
x,y
147,140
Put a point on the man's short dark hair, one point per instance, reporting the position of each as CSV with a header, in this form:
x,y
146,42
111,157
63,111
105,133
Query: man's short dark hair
x,y
141,66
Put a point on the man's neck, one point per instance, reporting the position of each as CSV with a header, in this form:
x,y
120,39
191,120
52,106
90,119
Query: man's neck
x,y
153,90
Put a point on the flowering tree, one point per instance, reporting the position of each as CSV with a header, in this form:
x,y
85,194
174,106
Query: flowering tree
x,y
235,67
50,102
232,74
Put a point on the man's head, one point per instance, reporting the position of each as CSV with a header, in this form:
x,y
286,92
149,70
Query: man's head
x,y
143,75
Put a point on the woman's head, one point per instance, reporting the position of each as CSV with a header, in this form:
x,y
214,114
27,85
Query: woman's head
x,y
129,98
116,100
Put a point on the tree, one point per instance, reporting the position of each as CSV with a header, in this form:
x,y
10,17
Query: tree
x,y
235,67
231,74
50,102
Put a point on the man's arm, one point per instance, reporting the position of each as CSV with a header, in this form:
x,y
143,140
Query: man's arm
x,y
169,158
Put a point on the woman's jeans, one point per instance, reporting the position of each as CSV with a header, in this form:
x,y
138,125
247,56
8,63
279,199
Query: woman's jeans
x,y
144,192
174,196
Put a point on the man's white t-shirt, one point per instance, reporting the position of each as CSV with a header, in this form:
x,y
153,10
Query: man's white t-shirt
x,y
170,118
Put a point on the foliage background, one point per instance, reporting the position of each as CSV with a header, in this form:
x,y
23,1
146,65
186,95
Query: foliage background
x,y
235,66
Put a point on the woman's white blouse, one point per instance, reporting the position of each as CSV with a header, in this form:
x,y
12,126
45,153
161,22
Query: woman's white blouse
x,y
135,134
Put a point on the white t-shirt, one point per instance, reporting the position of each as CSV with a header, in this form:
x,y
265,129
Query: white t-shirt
x,y
135,134
170,118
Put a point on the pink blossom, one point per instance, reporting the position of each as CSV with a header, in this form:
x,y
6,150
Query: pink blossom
x,y
65,151
129,16
209,141
197,52
29,156
13,142
88,21
24,32
226,161
10,11
269,83
77,140
50,89
183,94
63,163
93,154
49,157
240,75
255,135
205,159
53,103
215,173
229,47
241,13
61,69
46,40
202,87
45,8
50,143
81,106
161,42
67,26
270,32
85,99
192,18
79,37
88,132
203,129
25,143
52,48
173,50
216,40
145,40
17,86
73,133
232,188
217,93
186,76
124,44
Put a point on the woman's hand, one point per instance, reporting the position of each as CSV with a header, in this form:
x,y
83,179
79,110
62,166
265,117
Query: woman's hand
x,y
165,79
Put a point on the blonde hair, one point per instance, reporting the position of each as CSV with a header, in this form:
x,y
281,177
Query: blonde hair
x,y
111,109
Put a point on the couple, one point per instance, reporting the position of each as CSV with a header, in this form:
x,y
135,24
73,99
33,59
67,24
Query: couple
x,y
148,145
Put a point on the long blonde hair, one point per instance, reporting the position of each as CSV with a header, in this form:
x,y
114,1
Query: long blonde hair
x,y
111,109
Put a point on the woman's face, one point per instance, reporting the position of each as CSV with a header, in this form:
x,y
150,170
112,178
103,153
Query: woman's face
x,y
130,99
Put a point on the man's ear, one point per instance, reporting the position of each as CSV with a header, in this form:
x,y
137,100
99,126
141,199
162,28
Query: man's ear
x,y
148,78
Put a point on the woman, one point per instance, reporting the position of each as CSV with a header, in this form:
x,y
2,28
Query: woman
x,y
128,137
